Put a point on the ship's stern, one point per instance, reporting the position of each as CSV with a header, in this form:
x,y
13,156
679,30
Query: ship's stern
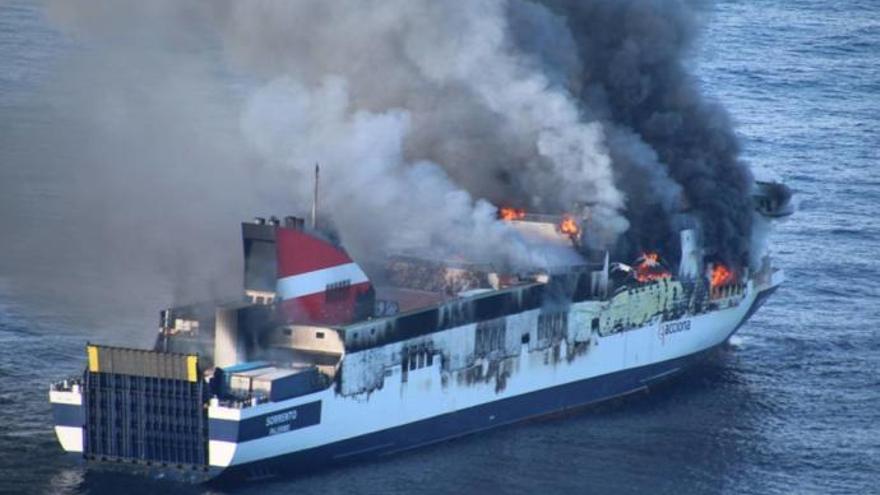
x,y
136,411
66,399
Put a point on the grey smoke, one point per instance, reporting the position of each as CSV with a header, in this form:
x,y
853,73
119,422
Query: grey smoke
x,y
173,120
374,198
474,105
572,102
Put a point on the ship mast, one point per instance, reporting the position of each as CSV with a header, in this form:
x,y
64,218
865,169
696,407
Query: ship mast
x,y
315,199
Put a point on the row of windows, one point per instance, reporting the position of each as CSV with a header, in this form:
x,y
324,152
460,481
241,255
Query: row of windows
x,y
262,300
417,360
414,359
288,332
456,314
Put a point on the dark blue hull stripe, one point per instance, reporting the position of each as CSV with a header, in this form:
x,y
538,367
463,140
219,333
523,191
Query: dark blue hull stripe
x,y
282,421
68,415
466,421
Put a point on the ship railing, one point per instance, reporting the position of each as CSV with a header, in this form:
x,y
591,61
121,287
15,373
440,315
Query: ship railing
x,y
240,402
67,385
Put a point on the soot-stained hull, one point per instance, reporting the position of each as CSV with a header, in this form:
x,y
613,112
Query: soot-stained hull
x,y
314,370
570,397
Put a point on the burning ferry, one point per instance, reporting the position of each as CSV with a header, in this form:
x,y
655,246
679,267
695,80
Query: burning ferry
x,y
319,363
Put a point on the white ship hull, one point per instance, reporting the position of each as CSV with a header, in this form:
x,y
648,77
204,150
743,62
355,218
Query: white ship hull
x,y
323,369
433,405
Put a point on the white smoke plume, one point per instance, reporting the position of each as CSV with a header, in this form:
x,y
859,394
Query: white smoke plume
x,y
444,58
438,67
373,196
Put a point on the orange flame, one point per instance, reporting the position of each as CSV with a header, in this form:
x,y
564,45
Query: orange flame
x,y
650,269
509,214
721,275
569,226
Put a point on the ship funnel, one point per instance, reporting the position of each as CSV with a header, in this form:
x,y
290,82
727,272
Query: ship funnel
x,y
689,267
317,282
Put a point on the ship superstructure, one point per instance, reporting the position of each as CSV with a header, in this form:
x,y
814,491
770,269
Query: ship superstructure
x,y
318,363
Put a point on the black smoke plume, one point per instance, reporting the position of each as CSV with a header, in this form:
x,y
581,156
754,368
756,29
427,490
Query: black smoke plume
x,y
675,151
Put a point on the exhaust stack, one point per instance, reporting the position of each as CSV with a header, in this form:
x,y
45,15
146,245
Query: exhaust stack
x,y
315,199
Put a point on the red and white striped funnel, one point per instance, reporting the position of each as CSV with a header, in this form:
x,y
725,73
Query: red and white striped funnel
x,y
318,282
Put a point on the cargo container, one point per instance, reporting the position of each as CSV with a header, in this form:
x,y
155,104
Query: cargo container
x,y
241,383
285,384
223,376
242,367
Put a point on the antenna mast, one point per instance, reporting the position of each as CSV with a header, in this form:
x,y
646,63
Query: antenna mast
x,y
315,199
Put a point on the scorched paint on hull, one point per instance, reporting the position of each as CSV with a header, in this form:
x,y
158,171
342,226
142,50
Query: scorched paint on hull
x,y
323,372
495,414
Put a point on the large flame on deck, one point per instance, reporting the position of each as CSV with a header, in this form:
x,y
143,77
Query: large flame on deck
x,y
648,268
569,226
509,214
721,276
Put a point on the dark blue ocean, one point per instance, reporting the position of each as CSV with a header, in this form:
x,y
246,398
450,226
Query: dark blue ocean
x,y
791,406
